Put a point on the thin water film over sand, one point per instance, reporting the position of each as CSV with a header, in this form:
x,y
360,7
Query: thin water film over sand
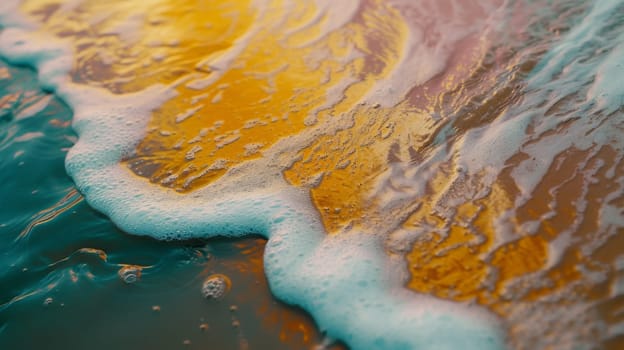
x,y
453,168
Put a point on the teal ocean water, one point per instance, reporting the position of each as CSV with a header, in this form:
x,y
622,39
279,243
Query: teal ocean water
x,y
69,279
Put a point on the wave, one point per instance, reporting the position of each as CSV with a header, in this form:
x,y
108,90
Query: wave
x,y
354,138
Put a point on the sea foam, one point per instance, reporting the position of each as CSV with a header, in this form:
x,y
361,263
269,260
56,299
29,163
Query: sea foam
x,y
346,282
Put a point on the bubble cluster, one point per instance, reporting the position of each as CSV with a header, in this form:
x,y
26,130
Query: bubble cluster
x,y
215,286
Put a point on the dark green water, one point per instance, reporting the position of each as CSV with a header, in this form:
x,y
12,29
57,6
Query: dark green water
x,y
60,286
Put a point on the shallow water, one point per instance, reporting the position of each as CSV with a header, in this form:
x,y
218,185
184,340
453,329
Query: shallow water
x,y
453,168
62,262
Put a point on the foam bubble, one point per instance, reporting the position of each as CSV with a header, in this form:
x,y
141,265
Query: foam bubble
x,y
215,286
130,274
